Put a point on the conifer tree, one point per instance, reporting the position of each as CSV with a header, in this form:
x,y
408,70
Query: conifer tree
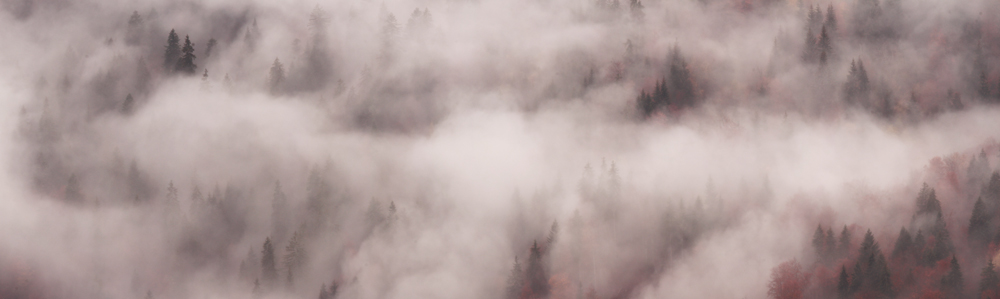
x,y
989,282
904,243
978,224
269,271
537,279
831,19
173,51
276,77
515,282
952,283
185,64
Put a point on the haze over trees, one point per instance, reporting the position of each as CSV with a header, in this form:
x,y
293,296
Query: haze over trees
x,y
500,149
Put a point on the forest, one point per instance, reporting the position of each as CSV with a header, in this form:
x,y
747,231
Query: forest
x,y
509,149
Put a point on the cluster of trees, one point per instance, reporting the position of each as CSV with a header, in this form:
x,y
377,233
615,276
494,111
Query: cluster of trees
x,y
533,282
676,93
924,263
179,59
819,48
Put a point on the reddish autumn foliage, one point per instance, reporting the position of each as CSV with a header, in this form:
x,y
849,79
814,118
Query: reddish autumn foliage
x,y
788,281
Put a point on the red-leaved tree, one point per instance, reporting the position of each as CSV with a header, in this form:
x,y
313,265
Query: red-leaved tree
x,y
787,281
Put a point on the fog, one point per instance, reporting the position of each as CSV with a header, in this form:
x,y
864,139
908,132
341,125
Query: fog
x,y
494,149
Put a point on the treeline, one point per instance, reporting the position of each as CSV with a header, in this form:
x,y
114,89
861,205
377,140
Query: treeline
x,y
923,262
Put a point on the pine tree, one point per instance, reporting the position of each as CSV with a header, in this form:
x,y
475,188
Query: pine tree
x,y
819,238
952,283
824,44
515,282
268,270
904,243
978,224
989,282
680,80
538,280
845,242
127,106
276,77
843,285
173,52
295,254
210,46
186,64
831,19
809,48
553,236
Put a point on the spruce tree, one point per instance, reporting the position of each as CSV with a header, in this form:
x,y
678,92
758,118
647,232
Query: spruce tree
x,y
276,77
173,51
952,283
538,280
904,243
989,282
269,271
831,19
843,285
515,282
978,224
186,64
819,238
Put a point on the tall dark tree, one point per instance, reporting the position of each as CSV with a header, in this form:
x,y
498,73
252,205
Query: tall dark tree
x,y
989,281
824,45
173,51
831,243
831,19
952,283
210,46
515,282
127,106
843,284
276,77
857,87
904,244
979,230
537,279
809,47
819,242
269,271
844,244
186,64
295,254
681,81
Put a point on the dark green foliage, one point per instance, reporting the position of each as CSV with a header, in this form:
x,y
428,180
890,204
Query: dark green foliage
x,y
681,81
843,284
831,19
819,242
209,47
649,104
904,244
269,271
952,283
871,271
988,279
844,245
127,106
276,77
537,279
857,88
173,51
185,64
515,282
979,230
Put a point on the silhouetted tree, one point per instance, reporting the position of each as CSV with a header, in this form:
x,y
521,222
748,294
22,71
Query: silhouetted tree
x,y
295,254
857,88
186,62
276,77
843,284
515,282
831,19
844,245
538,281
809,48
269,271
209,47
127,106
952,283
904,244
989,282
173,52
979,230
134,33
680,80
819,242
